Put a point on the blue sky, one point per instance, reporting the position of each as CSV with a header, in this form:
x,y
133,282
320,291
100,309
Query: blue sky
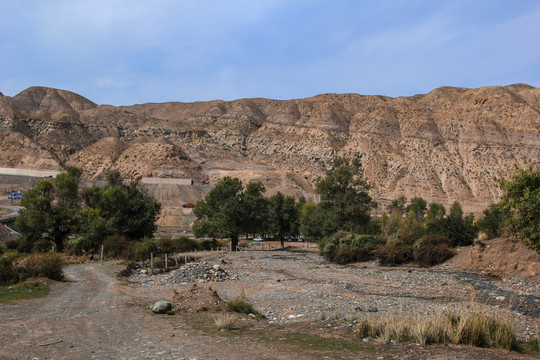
x,y
123,52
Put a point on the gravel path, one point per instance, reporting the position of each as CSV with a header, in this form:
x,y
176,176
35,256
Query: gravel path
x,y
93,316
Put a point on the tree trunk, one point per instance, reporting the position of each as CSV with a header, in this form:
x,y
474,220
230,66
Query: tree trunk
x,y
234,243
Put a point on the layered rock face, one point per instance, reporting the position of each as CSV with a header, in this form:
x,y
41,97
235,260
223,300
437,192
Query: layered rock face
x,y
447,145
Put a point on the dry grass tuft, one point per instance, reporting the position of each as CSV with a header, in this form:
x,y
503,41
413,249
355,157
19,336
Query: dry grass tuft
x,y
225,322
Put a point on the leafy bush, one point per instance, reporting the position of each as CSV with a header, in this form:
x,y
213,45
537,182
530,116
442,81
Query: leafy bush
x,y
241,306
12,244
117,246
41,265
159,263
209,244
8,273
394,253
522,203
143,249
166,243
344,247
185,244
432,250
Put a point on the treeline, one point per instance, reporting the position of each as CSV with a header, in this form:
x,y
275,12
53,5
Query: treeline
x,y
80,220
343,224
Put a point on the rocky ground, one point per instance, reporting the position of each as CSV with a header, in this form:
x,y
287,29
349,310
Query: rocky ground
x,y
298,285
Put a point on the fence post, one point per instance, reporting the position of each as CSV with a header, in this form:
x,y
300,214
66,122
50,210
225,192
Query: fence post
x,y
166,261
175,259
152,261
101,254
185,258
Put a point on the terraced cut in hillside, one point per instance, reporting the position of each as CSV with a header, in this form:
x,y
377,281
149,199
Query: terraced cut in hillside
x,y
446,145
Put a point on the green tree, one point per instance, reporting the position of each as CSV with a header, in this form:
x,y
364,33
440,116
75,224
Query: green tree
x,y
398,205
521,200
220,213
255,208
418,207
459,229
344,198
34,220
93,230
284,217
492,220
128,209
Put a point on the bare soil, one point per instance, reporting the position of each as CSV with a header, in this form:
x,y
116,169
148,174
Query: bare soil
x,y
95,315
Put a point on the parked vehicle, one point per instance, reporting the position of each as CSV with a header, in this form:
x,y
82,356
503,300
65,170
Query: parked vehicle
x,y
258,239
189,205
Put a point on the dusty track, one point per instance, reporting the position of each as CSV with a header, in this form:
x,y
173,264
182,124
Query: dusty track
x,y
95,316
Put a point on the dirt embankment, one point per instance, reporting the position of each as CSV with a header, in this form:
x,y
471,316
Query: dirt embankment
x,y
501,257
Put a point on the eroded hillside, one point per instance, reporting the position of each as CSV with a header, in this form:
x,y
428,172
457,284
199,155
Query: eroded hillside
x,y
447,145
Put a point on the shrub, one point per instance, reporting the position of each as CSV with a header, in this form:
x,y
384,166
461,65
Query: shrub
x,y
185,244
432,250
117,246
12,244
41,265
209,244
159,263
394,253
142,249
167,244
8,273
344,247
241,306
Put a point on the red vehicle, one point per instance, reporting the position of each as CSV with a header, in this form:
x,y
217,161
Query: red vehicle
x,y
189,205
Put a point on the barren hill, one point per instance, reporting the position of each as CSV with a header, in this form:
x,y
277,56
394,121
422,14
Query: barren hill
x,y
446,145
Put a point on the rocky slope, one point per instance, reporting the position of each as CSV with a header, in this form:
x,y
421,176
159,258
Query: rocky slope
x,y
446,145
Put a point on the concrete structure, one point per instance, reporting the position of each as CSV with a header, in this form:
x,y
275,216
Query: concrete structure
x,y
161,181
28,172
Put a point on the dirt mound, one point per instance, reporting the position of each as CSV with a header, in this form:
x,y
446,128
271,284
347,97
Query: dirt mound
x,y
501,257
197,298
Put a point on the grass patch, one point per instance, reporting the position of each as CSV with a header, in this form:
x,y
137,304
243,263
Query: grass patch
x,y
309,341
531,346
26,290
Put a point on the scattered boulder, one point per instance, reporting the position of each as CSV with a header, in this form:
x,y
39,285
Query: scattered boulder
x,y
161,307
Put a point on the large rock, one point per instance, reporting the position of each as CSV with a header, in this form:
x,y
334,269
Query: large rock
x,y
161,307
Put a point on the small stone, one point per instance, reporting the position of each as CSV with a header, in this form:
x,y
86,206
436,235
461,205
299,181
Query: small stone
x,y
292,317
500,298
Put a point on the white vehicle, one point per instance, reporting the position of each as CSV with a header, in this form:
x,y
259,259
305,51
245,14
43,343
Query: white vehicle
x,y
258,239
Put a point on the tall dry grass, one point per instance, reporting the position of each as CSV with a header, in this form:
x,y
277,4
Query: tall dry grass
x,y
472,328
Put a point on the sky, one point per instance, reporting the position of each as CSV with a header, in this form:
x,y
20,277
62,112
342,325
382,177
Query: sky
x,y
124,52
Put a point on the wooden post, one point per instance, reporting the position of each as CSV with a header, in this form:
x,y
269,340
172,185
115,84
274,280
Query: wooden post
x,y
166,261
152,261
101,254
185,258
175,259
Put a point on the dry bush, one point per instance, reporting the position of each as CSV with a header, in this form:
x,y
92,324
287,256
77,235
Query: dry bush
x,y
394,253
225,322
432,250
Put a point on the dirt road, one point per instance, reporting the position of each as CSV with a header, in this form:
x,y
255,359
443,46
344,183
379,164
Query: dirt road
x,y
94,316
